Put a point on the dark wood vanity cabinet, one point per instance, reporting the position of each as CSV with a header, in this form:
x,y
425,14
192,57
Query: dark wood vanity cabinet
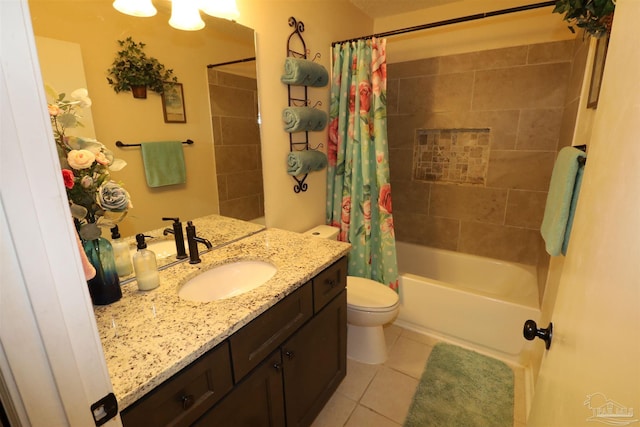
x,y
285,364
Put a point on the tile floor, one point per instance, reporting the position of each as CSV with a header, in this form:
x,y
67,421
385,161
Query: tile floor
x,y
380,395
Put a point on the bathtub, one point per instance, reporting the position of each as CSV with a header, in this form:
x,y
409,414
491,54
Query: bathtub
x,y
469,299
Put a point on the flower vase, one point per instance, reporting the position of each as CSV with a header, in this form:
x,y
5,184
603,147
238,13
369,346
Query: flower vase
x,y
105,286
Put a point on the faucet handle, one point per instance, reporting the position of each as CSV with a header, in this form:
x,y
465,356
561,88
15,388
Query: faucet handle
x,y
181,252
194,256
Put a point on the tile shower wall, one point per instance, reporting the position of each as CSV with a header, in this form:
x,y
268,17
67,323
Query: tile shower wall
x,y
518,95
236,135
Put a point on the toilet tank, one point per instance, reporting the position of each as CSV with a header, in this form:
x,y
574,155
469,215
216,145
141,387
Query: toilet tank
x,y
324,231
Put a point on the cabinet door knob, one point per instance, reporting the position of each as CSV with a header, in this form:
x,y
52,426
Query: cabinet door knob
x,y
276,366
331,283
187,401
290,354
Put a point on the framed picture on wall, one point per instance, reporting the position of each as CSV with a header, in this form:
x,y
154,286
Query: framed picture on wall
x,y
173,104
598,68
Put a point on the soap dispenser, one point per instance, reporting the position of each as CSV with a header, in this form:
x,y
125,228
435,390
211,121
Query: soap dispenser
x,y
121,253
145,266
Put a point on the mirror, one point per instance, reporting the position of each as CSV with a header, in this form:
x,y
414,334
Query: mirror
x,y
96,27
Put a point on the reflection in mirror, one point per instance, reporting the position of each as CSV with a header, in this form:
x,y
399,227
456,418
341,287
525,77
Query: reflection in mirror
x,y
95,27
234,109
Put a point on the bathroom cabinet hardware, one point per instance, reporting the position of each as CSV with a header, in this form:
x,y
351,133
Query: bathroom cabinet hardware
x,y
531,330
122,144
186,396
187,401
287,362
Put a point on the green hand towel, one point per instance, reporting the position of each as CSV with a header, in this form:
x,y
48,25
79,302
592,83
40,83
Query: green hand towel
x,y
298,119
305,161
303,72
562,191
163,163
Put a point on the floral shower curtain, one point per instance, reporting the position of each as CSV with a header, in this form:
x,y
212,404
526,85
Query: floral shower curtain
x,y
358,189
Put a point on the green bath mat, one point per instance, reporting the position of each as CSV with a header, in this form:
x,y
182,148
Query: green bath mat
x,y
462,388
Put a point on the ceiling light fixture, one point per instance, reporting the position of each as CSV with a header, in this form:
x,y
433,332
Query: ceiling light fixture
x,y
226,9
141,8
185,15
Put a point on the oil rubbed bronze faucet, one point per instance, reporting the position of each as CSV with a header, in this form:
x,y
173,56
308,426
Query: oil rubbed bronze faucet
x,y
181,253
192,242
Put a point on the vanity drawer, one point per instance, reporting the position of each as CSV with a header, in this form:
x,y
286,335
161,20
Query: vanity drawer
x,y
251,344
187,395
329,283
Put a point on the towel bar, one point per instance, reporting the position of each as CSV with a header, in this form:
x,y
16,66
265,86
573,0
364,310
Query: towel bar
x,y
122,144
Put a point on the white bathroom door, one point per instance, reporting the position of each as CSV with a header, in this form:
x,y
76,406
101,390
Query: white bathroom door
x,y
591,374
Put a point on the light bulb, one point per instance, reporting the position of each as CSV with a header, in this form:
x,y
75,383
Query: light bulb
x,y
185,15
142,8
226,9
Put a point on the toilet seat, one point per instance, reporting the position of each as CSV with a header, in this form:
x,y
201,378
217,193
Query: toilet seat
x,y
369,295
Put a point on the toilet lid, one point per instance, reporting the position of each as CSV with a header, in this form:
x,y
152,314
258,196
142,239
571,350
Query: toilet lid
x,y
366,294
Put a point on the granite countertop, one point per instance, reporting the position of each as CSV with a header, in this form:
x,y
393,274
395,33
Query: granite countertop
x,y
149,336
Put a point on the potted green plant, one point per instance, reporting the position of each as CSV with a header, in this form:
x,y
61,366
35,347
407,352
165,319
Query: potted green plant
x,y
132,70
594,16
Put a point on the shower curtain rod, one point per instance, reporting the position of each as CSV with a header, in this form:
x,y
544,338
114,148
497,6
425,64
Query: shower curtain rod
x,y
452,21
237,61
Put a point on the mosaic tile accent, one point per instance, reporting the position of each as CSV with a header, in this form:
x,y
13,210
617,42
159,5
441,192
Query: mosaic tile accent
x,y
458,156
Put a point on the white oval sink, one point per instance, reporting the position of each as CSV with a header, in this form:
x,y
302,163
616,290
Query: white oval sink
x,y
227,280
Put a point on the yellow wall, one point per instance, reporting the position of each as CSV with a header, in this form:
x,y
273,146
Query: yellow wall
x,y
96,26
516,29
121,117
325,21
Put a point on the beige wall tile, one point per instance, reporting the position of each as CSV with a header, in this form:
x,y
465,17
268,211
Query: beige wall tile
x,y
495,241
569,117
238,130
532,86
523,170
410,196
243,184
230,159
581,50
393,86
526,208
503,124
485,60
420,67
222,188
539,129
232,102
236,81
425,230
401,130
561,51
246,208
468,203
451,92
401,164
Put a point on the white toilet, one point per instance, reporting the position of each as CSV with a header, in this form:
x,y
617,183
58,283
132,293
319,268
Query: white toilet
x,y
370,305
